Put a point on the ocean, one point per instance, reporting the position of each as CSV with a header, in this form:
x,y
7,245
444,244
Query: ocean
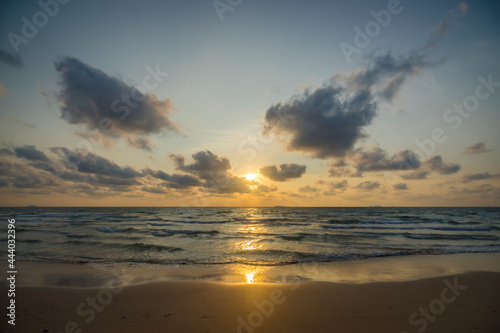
x,y
251,236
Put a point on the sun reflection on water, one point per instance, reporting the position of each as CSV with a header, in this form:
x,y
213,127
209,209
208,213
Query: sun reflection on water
x,y
249,277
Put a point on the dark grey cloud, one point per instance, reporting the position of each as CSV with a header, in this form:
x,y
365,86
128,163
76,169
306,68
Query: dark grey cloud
x,y
30,153
339,185
470,177
157,174
13,60
374,159
214,170
183,181
207,165
154,189
401,186
324,123
286,172
92,98
33,180
433,164
83,172
328,121
377,159
416,175
87,162
116,181
477,148
175,180
436,163
367,186
6,152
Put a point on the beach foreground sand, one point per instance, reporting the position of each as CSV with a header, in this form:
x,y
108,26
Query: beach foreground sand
x,y
462,303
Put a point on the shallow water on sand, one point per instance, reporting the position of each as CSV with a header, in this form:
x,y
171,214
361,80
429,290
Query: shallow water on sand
x,y
250,236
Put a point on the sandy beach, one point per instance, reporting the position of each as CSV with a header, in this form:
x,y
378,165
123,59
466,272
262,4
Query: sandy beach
x,y
462,303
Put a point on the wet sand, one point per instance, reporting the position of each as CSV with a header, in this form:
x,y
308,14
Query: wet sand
x,y
467,302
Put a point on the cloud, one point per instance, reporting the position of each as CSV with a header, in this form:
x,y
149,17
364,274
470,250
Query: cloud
x,y
262,189
324,123
376,159
231,185
436,163
367,186
140,142
308,189
5,167
415,175
373,159
206,165
116,181
477,148
479,176
385,75
66,171
285,173
484,188
11,59
22,176
335,187
30,153
433,164
94,99
87,162
23,122
154,189
4,151
341,172
214,170
174,181
75,170
401,186
451,17
33,180
339,185
328,121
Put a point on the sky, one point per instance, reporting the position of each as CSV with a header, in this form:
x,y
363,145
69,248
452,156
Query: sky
x,y
249,103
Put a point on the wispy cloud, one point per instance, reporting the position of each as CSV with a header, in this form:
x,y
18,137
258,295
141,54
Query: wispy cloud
x,y
477,148
13,60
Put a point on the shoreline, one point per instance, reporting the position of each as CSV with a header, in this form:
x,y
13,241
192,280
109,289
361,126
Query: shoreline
x,y
385,269
468,302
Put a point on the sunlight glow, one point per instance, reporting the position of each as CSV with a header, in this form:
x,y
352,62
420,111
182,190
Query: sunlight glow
x,y
251,176
250,277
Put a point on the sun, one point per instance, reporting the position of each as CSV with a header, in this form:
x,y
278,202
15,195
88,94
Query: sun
x,y
251,176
